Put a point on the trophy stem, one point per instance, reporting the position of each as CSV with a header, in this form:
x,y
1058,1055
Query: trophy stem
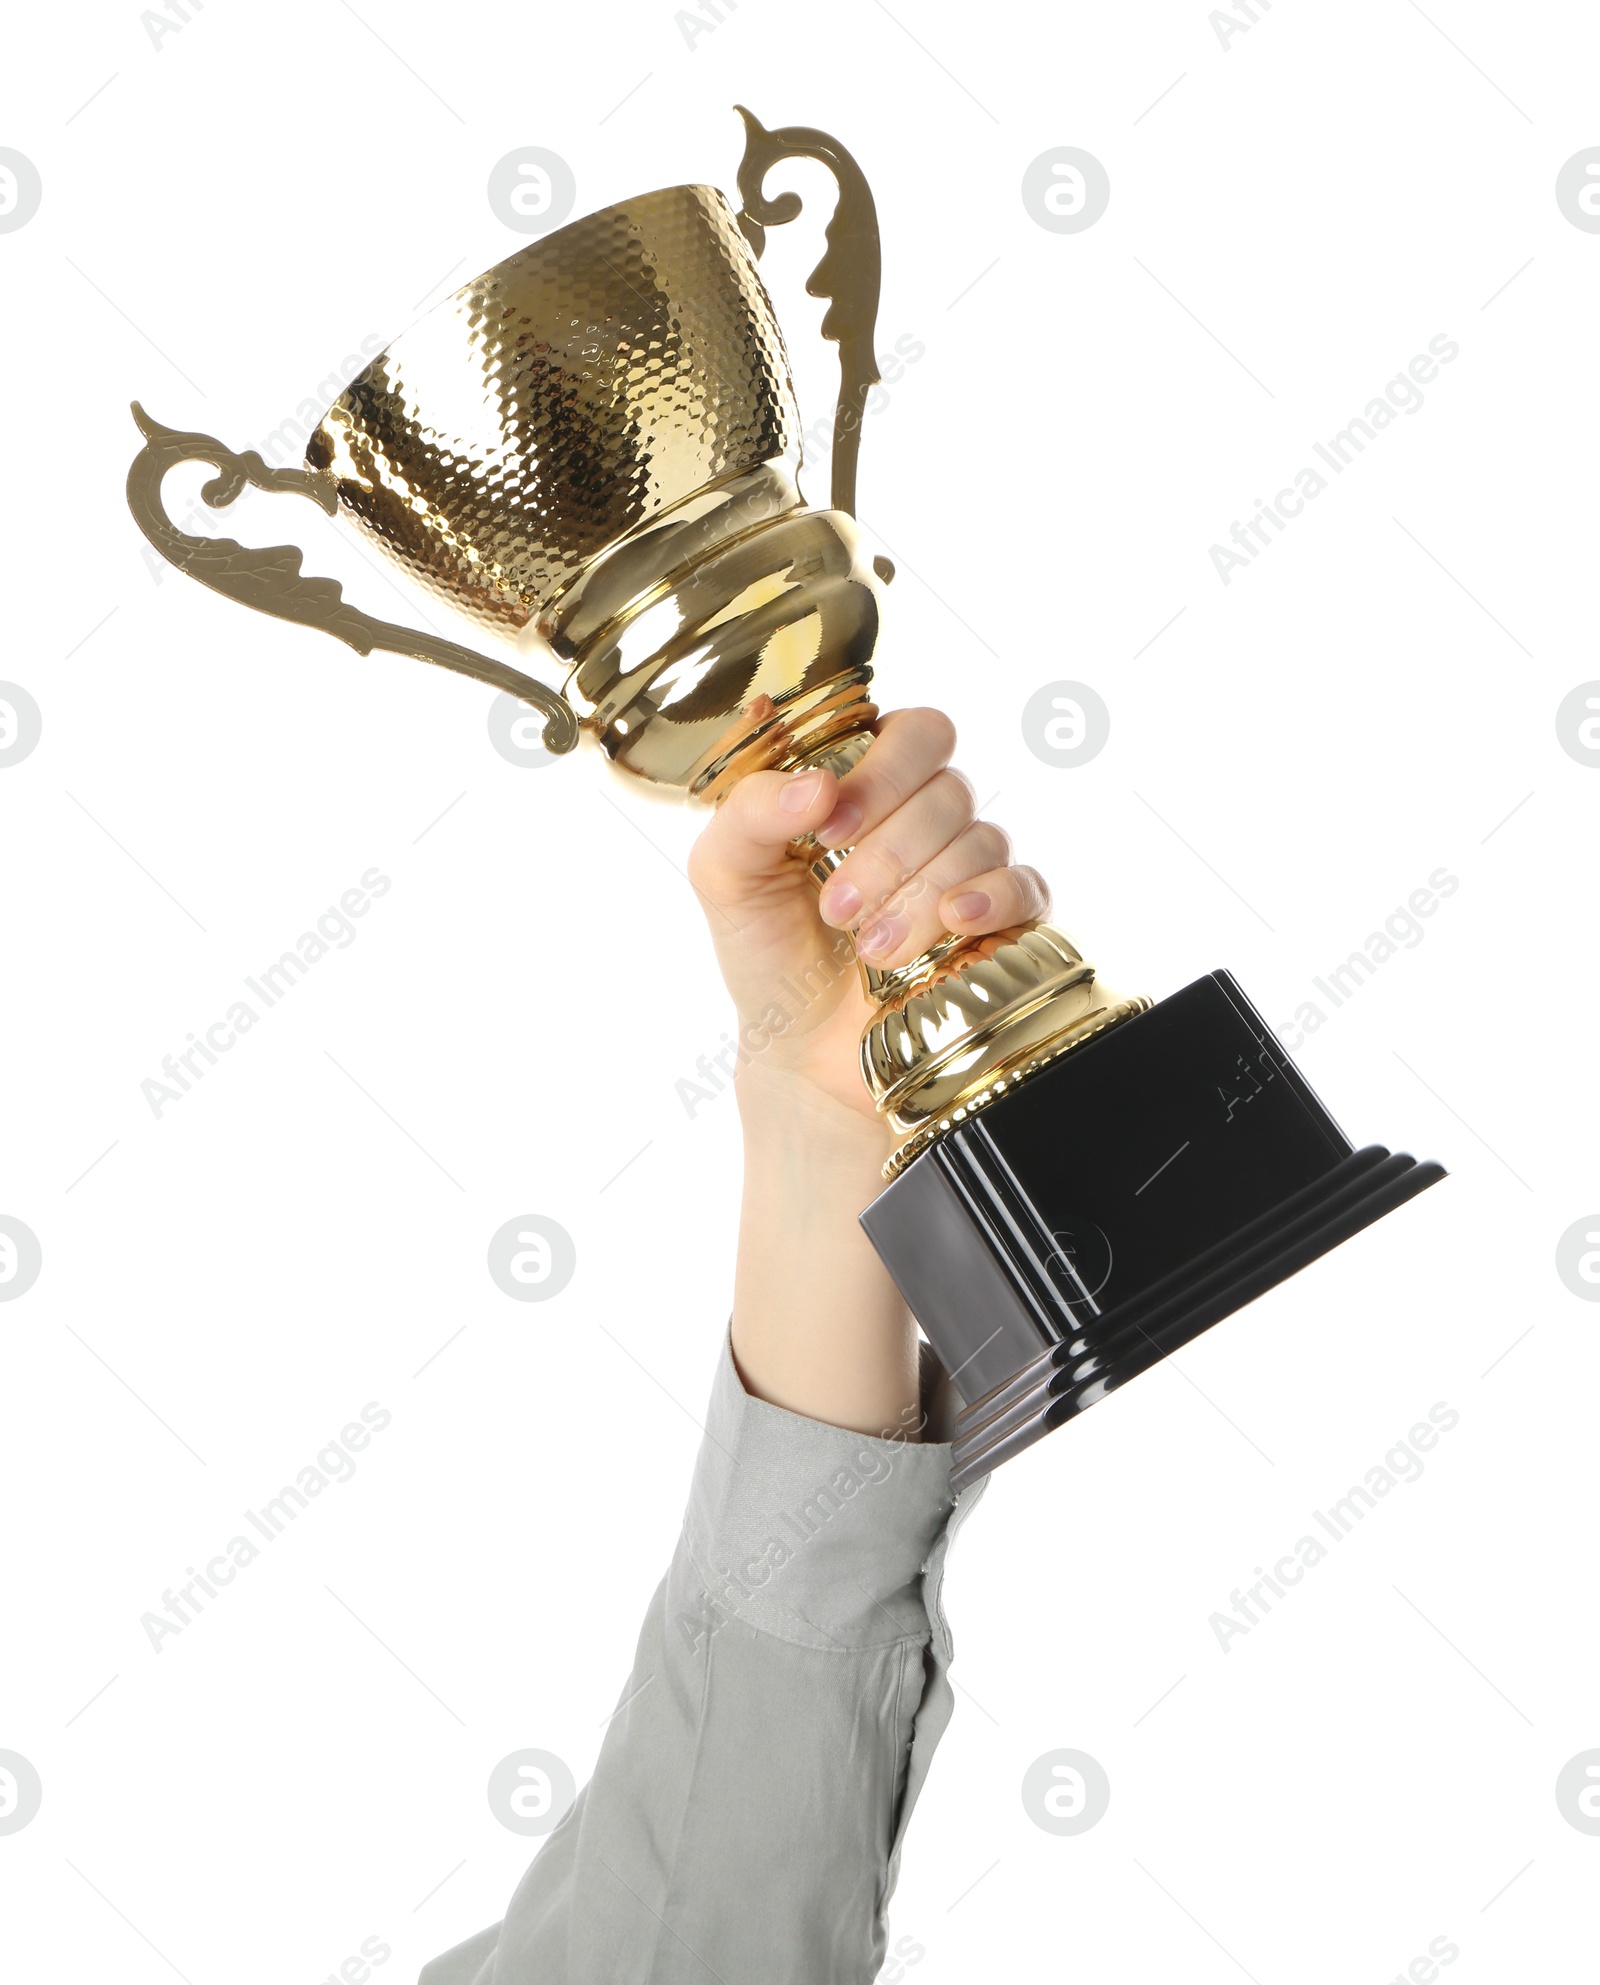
x,y
961,1024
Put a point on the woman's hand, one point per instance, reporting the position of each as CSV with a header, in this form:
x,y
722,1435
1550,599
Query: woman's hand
x,y
921,864
818,1326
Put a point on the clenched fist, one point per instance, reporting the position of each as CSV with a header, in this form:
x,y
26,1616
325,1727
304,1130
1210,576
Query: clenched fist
x,y
921,865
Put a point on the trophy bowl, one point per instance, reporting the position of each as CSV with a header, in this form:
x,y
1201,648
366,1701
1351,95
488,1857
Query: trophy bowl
x,y
593,451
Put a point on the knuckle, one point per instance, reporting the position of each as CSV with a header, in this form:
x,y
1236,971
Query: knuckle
x,y
702,856
884,879
886,791
956,796
992,844
1037,890
874,784
876,873
748,800
935,730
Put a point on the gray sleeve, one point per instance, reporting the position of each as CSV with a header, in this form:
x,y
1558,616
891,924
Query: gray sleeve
x,y
749,1803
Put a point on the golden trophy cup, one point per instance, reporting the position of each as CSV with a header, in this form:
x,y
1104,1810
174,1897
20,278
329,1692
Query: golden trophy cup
x,y
593,450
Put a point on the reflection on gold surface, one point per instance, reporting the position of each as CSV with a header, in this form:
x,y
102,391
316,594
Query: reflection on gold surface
x,y
593,450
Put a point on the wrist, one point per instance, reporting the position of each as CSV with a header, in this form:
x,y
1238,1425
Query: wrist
x,y
788,1118
819,1328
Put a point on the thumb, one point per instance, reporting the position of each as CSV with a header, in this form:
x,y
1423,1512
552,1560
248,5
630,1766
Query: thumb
x,y
745,846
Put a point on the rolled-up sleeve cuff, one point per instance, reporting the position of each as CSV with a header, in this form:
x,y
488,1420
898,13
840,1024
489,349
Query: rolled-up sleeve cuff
x,y
809,1531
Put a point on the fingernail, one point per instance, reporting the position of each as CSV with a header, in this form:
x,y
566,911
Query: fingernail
x,y
840,902
800,792
882,936
971,907
841,823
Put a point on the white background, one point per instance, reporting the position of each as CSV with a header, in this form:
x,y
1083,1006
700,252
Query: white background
x,y
1291,755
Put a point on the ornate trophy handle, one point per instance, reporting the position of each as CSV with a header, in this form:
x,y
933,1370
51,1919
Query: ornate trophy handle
x,y
849,273
271,581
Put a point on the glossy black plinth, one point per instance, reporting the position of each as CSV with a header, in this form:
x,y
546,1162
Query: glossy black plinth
x,y
1113,1206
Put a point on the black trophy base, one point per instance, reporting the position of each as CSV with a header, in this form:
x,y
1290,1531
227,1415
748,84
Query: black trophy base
x,y
1111,1207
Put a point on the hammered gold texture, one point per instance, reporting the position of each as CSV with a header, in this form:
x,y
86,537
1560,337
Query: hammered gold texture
x,y
561,401
595,446
271,581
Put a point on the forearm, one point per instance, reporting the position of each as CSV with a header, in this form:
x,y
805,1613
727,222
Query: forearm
x,y
753,1787
818,1326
